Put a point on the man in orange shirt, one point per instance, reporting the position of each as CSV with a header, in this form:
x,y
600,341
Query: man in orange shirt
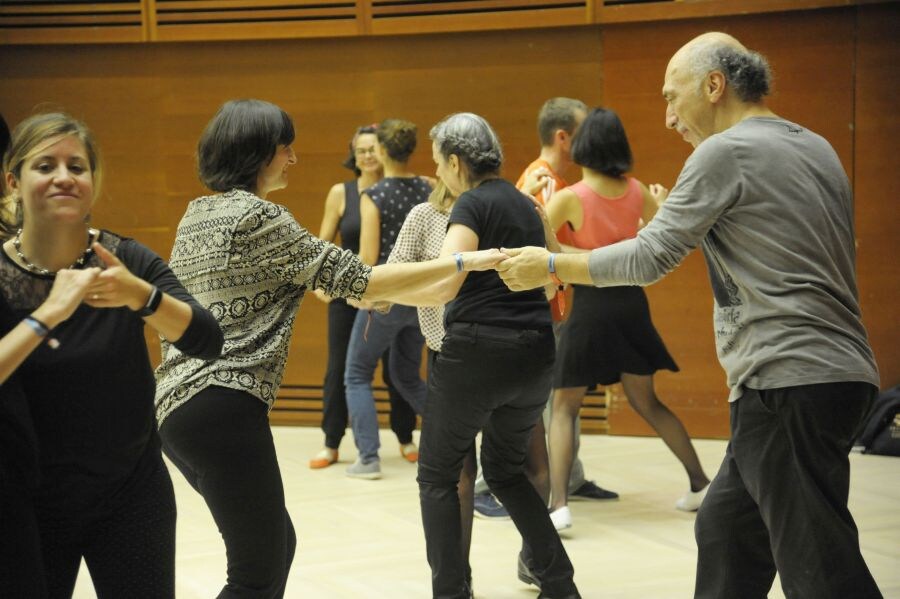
x,y
558,120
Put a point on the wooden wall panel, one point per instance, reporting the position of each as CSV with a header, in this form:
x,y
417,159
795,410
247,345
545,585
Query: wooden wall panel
x,y
148,104
877,183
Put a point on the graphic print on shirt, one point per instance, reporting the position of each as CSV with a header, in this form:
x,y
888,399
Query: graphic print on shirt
x,y
728,313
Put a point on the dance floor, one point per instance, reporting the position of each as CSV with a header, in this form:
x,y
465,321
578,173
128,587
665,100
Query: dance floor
x,y
363,539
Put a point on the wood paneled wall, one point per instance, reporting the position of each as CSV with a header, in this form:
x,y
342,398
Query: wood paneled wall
x,y
148,103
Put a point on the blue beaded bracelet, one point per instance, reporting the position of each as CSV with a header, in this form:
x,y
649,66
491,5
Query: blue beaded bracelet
x,y
459,261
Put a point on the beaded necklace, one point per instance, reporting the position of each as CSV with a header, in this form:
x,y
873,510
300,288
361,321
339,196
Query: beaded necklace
x,y
17,244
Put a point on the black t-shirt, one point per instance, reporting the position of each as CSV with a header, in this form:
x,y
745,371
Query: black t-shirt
x,y
91,400
501,216
18,443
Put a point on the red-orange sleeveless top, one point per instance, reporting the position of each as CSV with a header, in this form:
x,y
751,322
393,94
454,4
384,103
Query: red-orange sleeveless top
x,y
606,220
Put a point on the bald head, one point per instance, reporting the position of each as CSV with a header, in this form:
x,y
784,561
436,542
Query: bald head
x,y
710,82
746,72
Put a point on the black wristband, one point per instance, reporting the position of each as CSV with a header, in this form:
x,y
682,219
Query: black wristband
x,y
152,303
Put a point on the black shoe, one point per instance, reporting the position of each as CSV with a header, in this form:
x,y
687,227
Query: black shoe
x,y
525,574
590,490
574,595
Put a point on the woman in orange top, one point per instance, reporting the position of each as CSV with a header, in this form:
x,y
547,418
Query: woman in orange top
x,y
609,336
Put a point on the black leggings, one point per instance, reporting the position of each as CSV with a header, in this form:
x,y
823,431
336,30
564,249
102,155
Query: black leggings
x,y
130,551
222,443
21,564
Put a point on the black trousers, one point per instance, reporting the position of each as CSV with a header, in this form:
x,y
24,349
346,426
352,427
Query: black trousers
x,y
21,561
334,413
129,550
222,443
779,501
494,380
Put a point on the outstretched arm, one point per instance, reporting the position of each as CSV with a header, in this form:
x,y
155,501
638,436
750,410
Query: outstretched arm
x,y
437,281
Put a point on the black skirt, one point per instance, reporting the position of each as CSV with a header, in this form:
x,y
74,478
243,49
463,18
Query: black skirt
x,y
608,332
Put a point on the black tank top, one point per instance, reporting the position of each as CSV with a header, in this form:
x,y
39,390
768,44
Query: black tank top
x,y
349,225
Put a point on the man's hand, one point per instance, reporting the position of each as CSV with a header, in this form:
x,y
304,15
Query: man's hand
x,y
526,268
658,193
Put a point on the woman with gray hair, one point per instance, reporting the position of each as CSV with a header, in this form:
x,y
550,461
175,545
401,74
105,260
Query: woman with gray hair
x,y
493,372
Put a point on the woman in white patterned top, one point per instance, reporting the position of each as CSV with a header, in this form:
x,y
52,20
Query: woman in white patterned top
x,y
250,263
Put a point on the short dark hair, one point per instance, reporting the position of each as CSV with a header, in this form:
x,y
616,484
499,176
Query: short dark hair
x,y
350,162
601,144
239,141
558,113
398,137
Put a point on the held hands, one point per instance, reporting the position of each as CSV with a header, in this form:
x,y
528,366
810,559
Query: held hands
x,y
658,193
525,268
116,286
536,181
322,296
65,295
482,259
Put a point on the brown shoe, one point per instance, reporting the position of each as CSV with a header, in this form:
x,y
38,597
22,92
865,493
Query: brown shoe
x,y
324,459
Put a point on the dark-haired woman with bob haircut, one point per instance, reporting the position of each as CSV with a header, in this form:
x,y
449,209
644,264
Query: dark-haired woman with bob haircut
x,y
342,217
104,493
250,262
609,336
493,372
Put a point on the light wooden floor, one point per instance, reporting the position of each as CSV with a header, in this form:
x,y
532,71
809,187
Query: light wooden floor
x,y
363,539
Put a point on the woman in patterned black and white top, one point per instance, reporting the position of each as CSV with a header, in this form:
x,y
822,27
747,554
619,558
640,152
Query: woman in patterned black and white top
x,y
250,263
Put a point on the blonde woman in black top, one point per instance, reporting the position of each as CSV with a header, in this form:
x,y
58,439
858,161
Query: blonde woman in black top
x,y
105,494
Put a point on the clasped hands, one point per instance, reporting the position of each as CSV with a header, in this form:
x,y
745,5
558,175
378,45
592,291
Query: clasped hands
x,y
520,268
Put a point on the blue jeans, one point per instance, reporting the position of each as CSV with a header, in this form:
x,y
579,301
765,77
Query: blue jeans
x,y
399,331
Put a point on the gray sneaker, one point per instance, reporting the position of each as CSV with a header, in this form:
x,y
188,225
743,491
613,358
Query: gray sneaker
x,y
368,471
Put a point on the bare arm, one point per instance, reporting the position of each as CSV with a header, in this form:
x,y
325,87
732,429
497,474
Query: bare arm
x,y
334,210
64,298
565,207
434,282
369,231
654,196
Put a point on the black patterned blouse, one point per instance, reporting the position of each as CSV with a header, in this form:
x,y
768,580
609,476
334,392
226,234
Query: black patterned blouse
x,y
250,263
395,197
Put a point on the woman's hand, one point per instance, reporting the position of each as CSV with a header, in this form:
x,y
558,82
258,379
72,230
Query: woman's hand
x,y
322,296
482,259
536,181
658,193
116,286
65,296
